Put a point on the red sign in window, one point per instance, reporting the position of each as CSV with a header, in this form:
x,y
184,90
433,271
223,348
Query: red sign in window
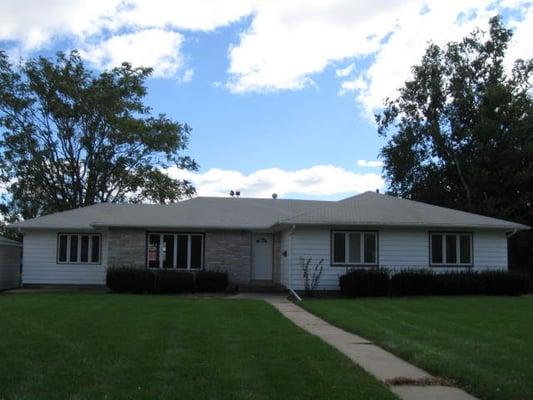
x,y
152,254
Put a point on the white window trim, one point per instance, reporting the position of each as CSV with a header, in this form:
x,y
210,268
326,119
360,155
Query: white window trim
x,y
457,249
78,259
175,256
347,248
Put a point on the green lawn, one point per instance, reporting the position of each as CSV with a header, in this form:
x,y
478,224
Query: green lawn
x,y
106,346
485,344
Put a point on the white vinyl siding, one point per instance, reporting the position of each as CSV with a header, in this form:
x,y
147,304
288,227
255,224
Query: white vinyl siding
x,y
403,248
40,264
398,249
284,258
490,250
9,266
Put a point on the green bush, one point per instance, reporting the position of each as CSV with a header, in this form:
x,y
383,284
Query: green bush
x,y
412,283
171,281
365,283
211,281
459,283
130,280
415,283
505,283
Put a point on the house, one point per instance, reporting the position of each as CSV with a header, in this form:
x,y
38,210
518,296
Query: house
x,y
10,251
260,240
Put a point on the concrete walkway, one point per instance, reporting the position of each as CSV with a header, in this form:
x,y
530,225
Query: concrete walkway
x,y
405,380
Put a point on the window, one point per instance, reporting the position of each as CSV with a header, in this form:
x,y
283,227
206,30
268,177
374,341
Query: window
x,y
175,250
451,249
354,248
78,248
84,248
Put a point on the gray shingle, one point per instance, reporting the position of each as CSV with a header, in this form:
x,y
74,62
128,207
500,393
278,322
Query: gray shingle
x,y
368,208
374,209
199,212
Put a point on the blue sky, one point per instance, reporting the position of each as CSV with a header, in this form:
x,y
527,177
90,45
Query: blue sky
x,y
280,96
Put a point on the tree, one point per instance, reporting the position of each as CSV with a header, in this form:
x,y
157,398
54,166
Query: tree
x,y
73,138
460,132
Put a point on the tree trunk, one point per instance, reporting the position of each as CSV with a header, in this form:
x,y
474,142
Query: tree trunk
x,y
463,182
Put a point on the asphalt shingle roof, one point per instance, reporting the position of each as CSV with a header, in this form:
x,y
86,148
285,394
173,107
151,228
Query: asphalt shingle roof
x,y
374,209
369,208
6,241
199,212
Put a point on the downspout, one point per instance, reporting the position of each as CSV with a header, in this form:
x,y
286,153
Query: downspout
x,y
291,290
511,233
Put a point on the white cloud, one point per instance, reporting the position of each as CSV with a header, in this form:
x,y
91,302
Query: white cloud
x,y
370,163
33,23
198,15
98,28
353,85
154,48
286,44
522,45
317,181
407,42
187,75
344,72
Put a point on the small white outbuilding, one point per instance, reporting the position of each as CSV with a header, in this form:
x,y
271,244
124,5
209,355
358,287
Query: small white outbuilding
x,y
10,252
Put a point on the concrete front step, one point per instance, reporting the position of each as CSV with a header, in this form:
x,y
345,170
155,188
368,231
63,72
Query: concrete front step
x,y
262,288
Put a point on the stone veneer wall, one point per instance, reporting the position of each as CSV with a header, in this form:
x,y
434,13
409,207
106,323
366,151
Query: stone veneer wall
x,y
127,248
229,251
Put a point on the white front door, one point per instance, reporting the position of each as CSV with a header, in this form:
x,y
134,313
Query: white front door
x,y
262,256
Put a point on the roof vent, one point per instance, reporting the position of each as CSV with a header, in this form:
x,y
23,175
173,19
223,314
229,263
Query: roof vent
x,y
274,195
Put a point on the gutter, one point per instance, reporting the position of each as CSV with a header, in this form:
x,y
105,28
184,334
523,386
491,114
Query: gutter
x,y
291,290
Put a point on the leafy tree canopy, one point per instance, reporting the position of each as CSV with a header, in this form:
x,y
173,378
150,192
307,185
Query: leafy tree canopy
x,y
71,138
460,132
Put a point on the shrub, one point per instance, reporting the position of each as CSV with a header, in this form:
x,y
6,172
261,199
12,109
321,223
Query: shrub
x,y
505,283
169,281
412,283
130,280
211,281
415,283
365,283
459,282
311,277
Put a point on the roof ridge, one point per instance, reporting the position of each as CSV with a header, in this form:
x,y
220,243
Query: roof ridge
x,y
70,210
261,198
315,209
